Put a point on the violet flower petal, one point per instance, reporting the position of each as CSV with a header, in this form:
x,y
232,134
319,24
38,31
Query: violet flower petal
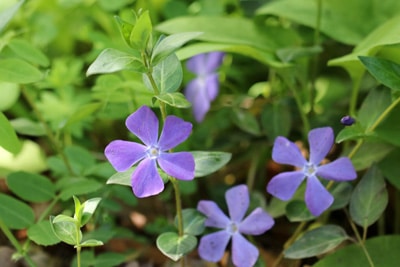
x,y
256,223
237,199
215,216
286,152
339,170
317,198
197,64
212,86
124,154
197,95
321,142
179,164
144,124
213,61
212,246
285,184
244,253
146,181
175,131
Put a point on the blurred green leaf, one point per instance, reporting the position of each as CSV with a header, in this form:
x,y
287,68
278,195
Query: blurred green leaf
x,y
6,15
193,222
207,162
384,71
88,208
141,33
77,186
8,138
16,70
15,214
175,99
246,121
31,187
91,243
369,199
297,211
389,129
108,259
42,234
317,241
390,167
28,127
341,193
174,246
9,95
276,119
28,52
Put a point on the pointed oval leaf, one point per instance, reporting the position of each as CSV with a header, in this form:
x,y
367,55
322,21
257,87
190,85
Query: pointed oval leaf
x,y
341,193
297,211
193,222
79,186
8,138
91,243
167,75
14,213
112,60
10,93
316,242
384,71
174,246
16,70
31,187
176,99
42,234
369,199
27,51
65,228
27,127
122,178
207,162
141,32
89,207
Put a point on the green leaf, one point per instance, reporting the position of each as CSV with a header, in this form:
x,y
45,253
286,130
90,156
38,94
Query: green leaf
x,y
316,242
89,207
42,234
78,186
15,214
390,168
292,53
31,187
125,28
376,102
112,60
384,71
109,259
369,199
28,127
382,249
28,52
6,15
246,121
167,45
91,243
8,138
364,158
78,210
66,229
341,193
207,162
82,113
122,178
141,33
167,75
389,129
10,93
174,246
15,70
352,132
276,119
176,99
297,211
193,222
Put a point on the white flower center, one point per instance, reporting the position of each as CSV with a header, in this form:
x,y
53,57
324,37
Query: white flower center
x,y
309,169
232,228
153,152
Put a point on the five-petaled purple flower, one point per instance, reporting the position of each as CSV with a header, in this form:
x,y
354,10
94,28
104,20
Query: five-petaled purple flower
x,y
204,88
146,181
212,246
284,185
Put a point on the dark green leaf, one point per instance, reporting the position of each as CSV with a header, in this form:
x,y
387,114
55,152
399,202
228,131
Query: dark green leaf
x,y
15,70
373,106
246,121
14,213
276,119
385,71
31,187
389,129
341,193
297,211
42,234
390,168
369,199
208,162
364,158
78,186
174,246
8,138
316,242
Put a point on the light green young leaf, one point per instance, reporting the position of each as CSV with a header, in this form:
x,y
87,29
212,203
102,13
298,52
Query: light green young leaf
x,y
193,222
16,70
112,60
369,199
42,234
66,229
175,247
122,178
88,208
141,33
125,28
316,242
15,214
175,99
91,243
207,162
8,138
27,51
6,15
10,93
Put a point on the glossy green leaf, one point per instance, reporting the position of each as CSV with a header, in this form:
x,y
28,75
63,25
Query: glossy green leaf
x,y
382,249
15,214
341,193
91,243
16,70
28,52
369,199
8,138
297,211
207,162
390,168
28,127
193,222
168,45
246,121
317,241
176,99
7,14
167,75
9,95
31,187
42,234
175,247
112,60
384,71
88,208
65,228
141,33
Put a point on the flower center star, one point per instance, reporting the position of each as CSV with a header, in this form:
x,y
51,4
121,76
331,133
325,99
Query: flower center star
x,y
153,152
309,169
232,228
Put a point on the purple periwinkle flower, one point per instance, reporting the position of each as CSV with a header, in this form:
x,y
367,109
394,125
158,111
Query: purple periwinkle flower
x,y
317,197
146,181
204,88
212,246
347,120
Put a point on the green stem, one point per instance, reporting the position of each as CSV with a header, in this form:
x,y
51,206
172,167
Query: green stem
x,y
16,244
78,256
354,95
